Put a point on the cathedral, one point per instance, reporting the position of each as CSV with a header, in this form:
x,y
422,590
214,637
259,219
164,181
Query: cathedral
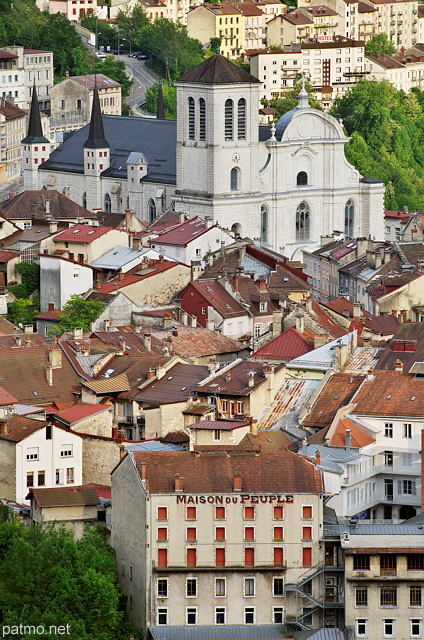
x,y
284,186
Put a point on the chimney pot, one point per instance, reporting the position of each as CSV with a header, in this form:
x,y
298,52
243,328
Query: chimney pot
x,y
317,457
398,365
3,427
237,481
121,451
178,482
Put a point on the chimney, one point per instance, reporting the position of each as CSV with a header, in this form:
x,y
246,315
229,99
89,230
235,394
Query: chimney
x,y
253,427
150,374
143,471
55,357
277,323
317,457
67,74
160,371
52,226
193,321
251,381
175,332
210,324
49,374
270,378
222,248
228,377
165,349
370,376
300,323
122,344
184,318
128,220
348,440
147,341
261,284
241,248
209,222
121,451
77,333
28,328
181,218
235,282
3,427
137,328
167,321
121,275
97,284
357,311
161,257
320,340
398,365
196,269
178,482
402,51
378,258
340,356
371,258
18,340
422,470
11,194
237,481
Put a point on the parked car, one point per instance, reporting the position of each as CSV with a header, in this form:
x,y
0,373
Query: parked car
x,y
134,54
142,56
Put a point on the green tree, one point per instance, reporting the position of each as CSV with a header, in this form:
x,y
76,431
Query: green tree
x,y
114,69
215,44
379,44
78,312
20,312
107,36
169,99
129,23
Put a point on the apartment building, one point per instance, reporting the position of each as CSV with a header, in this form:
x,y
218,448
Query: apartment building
x,y
34,66
218,539
12,131
12,77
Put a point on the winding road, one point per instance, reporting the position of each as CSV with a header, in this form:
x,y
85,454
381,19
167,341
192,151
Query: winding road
x,y
142,79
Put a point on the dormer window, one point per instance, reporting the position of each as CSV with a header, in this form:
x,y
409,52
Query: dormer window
x,y
262,306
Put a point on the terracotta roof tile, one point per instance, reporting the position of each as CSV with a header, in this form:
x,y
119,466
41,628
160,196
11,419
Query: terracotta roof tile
x,y
219,425
33,202
183,233
215,473
390,393
358,437
102,81
6,398
175,386
77,495
218,70
337,393
137,274
218,298
84,233
80,412
19,427
235,379
286,346
194,342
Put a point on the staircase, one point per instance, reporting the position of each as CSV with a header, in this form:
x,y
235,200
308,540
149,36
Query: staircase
x,y
299,592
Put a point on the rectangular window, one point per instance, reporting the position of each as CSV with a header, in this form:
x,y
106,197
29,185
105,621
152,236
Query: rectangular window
x,y
249,533
278,533
307,557
306,512
220,615
191,557
249,513
191,615
162,588
32,453
162,533
407,430
278,513
41,478
162,557
407,487
191,533
219,533
220,587
361,562
362,628
279,557
220,513
249,586
388,429
249,615
415,628
388,596
162,513
306,533
388,458
30,479
220,557
70,475
249,557
278,615
217,434
162,616
123,567
388,564
191,513
130,572
278,587
191,588
388,628
415,599
59,476
415,562
361,596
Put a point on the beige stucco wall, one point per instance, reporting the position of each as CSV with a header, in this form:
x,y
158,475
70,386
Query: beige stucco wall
x,y
403,298
201,24
98,247
99,457
7,469
160,288
207,436
97,425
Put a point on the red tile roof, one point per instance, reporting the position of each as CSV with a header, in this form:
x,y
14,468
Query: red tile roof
x,y
6,255
80,412
219,425
288,345
390,393
76,495
53,314
338,392
383,325
11,111
137,274
34,202
84,233
234,380
19,427
102,81
326,321
183,233
399,215
175,386
358,437
218,298
6,398
215,473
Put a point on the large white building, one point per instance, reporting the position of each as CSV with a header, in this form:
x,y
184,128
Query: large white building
x,y
286,187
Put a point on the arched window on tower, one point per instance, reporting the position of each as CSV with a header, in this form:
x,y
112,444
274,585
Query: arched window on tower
x,y
108,203
302,178
241,119
151,207
202,119
191,119
349,218
229,120
264,224
84,200
234,179
302,221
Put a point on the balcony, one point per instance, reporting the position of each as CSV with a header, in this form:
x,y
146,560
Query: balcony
x,y
229,566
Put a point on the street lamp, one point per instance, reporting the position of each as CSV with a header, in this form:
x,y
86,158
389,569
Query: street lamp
x,y
126,40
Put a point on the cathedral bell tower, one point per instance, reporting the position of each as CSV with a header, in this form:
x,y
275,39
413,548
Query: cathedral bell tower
x,y
36,147
96,147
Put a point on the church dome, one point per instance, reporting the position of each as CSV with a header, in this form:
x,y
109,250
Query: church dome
x,y
286,118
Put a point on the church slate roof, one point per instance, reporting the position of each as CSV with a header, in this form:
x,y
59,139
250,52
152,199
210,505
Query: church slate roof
x,y
155,139
35,130
218,70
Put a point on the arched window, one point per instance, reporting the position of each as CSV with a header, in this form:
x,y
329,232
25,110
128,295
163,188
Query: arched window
x,y
151,206
241,119
349,218
234,179
236,229
229,120
108,203
302,221
202,119
191,119
264,224
302,178
84,200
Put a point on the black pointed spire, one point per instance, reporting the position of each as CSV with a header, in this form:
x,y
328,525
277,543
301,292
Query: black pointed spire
x,y
35,130
96,135
161,106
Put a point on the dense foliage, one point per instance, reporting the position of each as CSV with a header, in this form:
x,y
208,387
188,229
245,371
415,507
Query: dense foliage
x,y
169,100
49,579
78,313
387,129
288,100
379,44
20,311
